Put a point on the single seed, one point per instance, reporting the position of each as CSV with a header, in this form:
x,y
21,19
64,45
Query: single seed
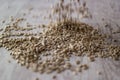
x,y
9,61
77,62
78,69
99,73
85,67
54,77
1,30
37,79
92,58
3,21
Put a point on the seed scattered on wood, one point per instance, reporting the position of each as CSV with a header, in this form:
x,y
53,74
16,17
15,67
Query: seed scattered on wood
x,y
64,41
51,50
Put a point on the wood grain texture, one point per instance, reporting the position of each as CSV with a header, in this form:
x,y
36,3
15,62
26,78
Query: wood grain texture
x,y
107,9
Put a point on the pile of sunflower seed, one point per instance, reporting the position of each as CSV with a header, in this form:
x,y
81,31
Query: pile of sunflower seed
x,y
51,50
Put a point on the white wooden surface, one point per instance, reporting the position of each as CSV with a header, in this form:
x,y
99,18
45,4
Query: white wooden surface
x,y
107,9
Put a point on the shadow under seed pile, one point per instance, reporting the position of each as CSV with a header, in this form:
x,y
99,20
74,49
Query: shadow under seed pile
x,y
51,50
